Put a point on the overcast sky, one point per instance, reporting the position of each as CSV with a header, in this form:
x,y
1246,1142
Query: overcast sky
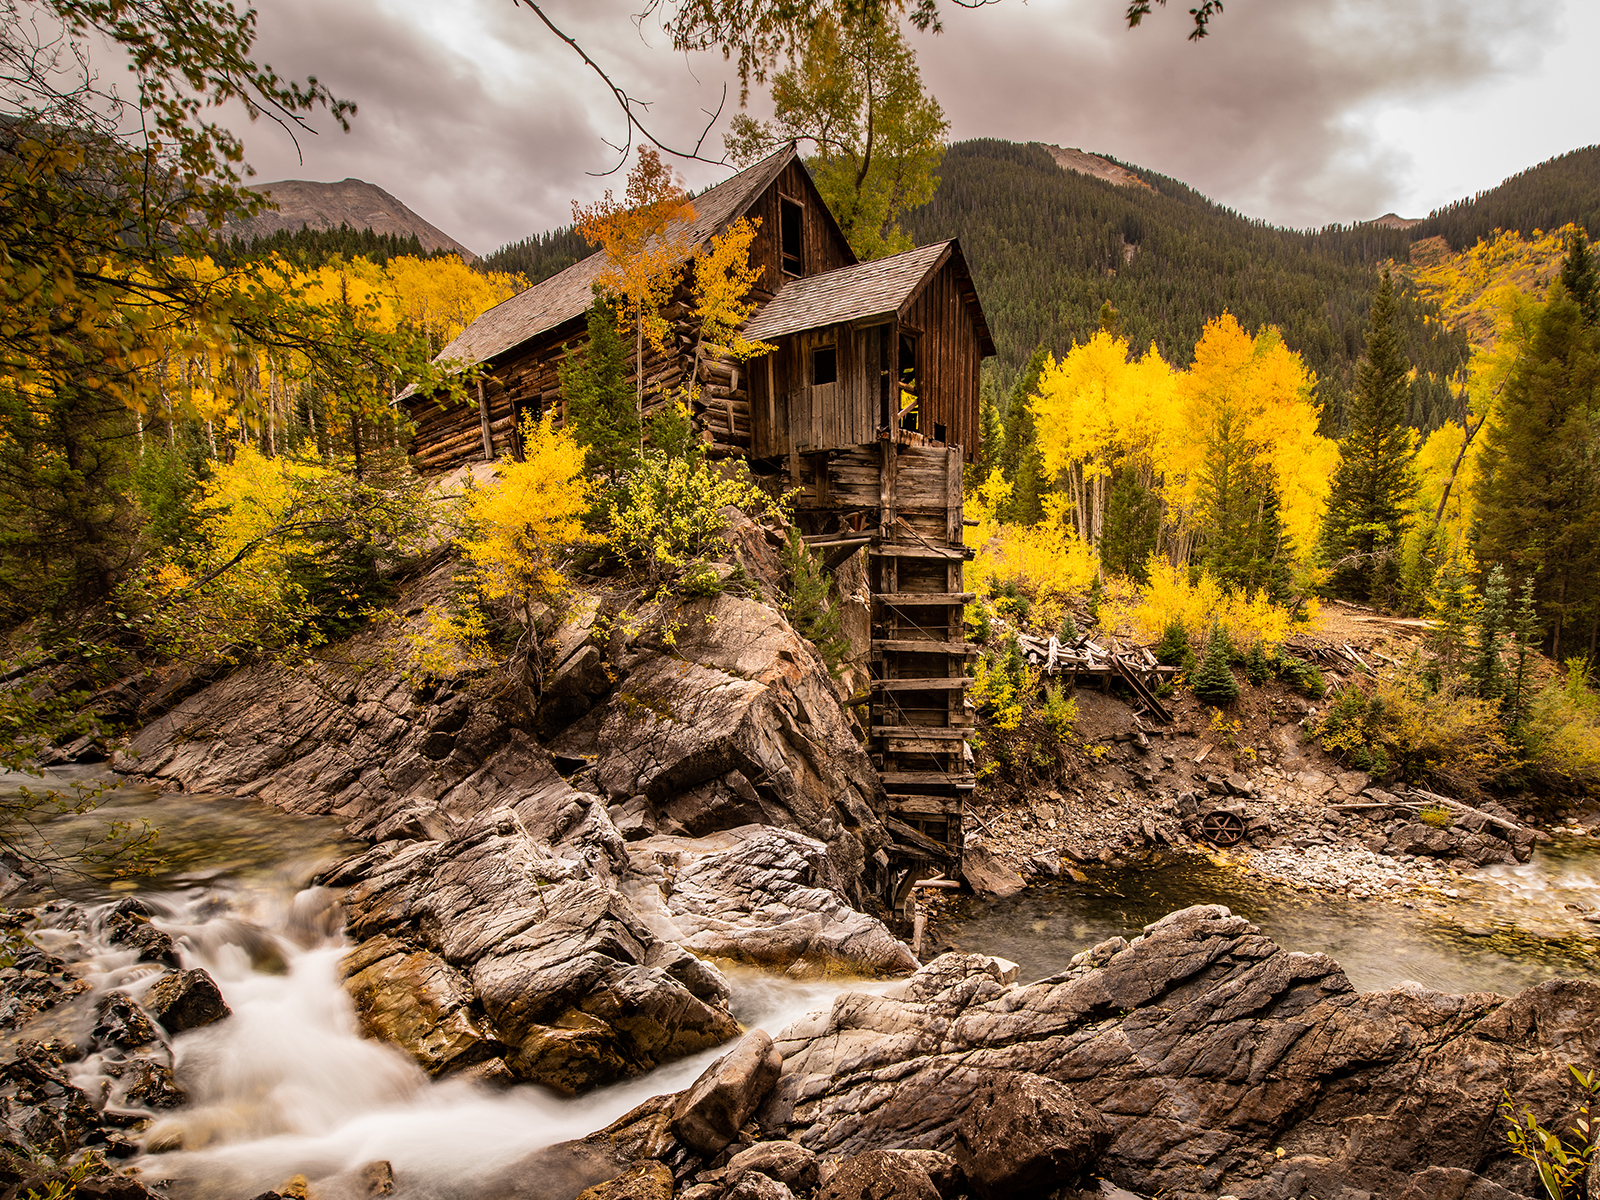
x,y
1302,112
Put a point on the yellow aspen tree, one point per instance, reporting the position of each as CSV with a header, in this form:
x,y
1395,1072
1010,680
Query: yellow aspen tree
x,y
646,238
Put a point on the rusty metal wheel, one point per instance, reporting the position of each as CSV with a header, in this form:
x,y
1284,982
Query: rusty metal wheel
x,y
1222,828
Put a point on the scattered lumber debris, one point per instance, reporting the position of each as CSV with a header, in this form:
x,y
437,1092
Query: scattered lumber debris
x,y
1083,656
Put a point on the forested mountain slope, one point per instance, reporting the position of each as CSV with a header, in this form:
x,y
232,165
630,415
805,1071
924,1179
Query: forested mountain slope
x,y
1557,191
1049,246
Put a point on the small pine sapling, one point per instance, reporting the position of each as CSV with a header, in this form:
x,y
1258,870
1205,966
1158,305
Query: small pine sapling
x,y
1173,648
1257,666
1213,681
809,605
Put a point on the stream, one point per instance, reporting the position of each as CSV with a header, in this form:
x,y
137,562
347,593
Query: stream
x,y
288,1085
1514,926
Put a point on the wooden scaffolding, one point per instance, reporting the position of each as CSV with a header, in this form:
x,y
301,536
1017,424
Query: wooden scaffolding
x,y
900,503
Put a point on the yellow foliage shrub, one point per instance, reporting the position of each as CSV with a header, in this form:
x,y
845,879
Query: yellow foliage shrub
x,y
1169,596
1048,561
1562,732
531,512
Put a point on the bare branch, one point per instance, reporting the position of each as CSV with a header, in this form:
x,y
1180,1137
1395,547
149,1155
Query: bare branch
x,y
628,105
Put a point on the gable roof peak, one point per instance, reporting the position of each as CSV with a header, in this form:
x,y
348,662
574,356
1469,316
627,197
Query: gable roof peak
x,y
569,293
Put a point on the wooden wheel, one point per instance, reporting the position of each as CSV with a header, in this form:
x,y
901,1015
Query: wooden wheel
x,y
1222,828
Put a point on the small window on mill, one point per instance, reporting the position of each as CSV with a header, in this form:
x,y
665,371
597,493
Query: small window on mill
x,y
791,225
824,365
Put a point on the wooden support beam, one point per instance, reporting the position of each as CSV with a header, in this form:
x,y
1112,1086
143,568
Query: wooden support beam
x,y
901,550
912,599
915,778
900,743
953,684
907,836
932,806
923,731
912,646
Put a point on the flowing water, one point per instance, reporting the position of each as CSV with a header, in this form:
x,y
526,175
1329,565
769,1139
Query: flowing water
x,y
1514,926
288,1085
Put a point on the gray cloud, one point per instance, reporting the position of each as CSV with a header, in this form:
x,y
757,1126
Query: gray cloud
x,y
477,118
1266,115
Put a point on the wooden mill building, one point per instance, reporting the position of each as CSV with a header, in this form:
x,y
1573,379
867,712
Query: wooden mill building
x,y
868,408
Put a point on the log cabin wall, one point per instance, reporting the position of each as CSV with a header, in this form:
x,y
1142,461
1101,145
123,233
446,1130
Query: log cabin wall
x,y
939,322
528,381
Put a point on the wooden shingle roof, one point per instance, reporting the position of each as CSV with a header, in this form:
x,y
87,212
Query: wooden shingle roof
x,y
568,294
864,292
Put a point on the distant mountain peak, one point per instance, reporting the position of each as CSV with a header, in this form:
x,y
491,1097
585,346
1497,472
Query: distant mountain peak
x,y
352,202
1391,220
1072,159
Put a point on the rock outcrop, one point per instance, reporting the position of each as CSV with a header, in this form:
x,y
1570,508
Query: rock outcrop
x,y
1216,1061
543,886
758,895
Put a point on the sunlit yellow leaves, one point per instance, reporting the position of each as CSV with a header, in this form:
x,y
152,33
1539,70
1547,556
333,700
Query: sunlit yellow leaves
x,y
530,513
1472,287
1171,596
646,239
1265,391
723,279
442,296
1096,406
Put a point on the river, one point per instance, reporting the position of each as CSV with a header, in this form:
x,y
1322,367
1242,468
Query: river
x,y
288,1086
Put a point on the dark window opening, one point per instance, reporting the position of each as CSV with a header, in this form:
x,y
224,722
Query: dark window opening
x,y
909,389
791,225
824,365
939,433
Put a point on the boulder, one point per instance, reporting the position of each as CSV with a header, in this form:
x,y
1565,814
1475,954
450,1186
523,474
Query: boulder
x,y
1219,1064
119,1022
710,1113
987,874
741,723
417,1001
755,1186
1024,1135
790,1163
647,1180
186,1000
133,931
758,895
880,1175
573,988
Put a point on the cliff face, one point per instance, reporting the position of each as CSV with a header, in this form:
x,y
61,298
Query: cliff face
x,y
522,910
353,202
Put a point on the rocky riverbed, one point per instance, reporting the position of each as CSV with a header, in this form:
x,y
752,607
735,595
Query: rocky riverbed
x,y
558,896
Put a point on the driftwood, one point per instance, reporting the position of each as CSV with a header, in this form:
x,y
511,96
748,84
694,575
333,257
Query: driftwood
x,y
1417,799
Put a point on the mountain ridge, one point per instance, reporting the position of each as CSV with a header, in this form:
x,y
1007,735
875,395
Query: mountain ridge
x,y
305,203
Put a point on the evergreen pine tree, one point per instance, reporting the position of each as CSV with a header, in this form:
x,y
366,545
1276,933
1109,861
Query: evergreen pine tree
x,y
1453,602
1488,672
1375,480
1020,460
1537,493
600,401
1174,644
1110,320
1133,518
1213,681
1240,528
1525,630
1580,277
